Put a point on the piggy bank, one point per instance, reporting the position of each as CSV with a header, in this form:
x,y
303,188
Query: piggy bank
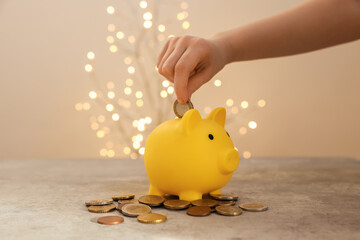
x,y
190,156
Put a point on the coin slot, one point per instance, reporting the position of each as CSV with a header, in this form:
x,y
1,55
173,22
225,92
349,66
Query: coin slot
x,y
227,133
211,137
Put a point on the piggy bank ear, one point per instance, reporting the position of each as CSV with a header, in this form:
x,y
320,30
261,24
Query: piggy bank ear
x,y
189,121
218,115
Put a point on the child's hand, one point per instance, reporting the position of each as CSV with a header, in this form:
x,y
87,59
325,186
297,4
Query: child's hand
x,y
189,62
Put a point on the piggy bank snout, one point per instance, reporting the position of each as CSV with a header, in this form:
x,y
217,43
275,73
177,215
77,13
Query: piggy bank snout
x,y
229,162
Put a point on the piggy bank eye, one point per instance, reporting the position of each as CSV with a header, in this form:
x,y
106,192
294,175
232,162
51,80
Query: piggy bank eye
x,y
227,134
211,137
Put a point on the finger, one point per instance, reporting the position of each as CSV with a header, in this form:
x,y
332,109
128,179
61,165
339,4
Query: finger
x,y
169,50
168,67
183,68
199,79
163,51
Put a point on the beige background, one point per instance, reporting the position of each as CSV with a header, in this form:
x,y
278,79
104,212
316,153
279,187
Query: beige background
x,y
313,99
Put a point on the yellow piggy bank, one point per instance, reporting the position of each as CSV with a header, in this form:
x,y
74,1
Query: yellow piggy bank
x,y
190,156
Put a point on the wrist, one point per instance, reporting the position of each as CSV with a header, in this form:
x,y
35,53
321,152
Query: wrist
x,y
224,46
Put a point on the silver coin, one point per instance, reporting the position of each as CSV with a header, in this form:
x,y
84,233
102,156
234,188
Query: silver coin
x,y
181,109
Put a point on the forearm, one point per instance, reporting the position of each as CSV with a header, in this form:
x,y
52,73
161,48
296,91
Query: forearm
x,y
312,25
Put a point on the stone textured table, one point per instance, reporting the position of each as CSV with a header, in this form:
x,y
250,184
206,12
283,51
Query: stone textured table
x,y
307,199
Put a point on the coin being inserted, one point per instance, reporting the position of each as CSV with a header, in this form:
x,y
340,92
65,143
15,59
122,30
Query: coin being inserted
x,y
181,109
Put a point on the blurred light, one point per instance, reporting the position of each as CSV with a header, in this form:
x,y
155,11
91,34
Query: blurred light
x,y
243,130
139,94
127,60
139,103
142,151
246,154
163,94
165,83
101,118
129,82
127,150
136,145
86,106
90,55
252,124
217,83
234,110
100,134
148,120
110,85
111,153
147,16
94,126
180,16
171,36
110,10
142,121
170,90
88,68
78,106
135,123
115,117
111,27
147,24
110,39
161,28
92,94
143,4
120,35
184,5
111,95
207,110
244,104
229,102
127,91
139,138
186,25
141,128
109,107
131,39
113,48
103,152
131,70
261,103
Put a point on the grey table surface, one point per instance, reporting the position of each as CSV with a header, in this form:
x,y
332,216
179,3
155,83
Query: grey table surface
x,y
307,199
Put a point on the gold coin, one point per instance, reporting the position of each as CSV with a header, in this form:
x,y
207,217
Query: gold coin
x,y
175,204
205,202
99,202
101,209
228,210
181,109
151,218
134,210
110,220
226,203
151,200
224,196
253,207
199,211
134,200
123,197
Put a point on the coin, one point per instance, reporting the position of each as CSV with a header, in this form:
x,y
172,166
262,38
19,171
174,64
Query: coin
x,y
134,200
253,207
205,202
181,109
199,211
170,197
175,204
228,210
123,197
226,203
134,210
101,209
224,196
110,220
99,202
120,205
151,218
152,200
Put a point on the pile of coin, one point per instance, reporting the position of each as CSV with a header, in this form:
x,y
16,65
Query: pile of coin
x,y
129,206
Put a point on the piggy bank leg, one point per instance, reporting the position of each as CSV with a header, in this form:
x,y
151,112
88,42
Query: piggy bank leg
x,y
216,192
155,191
190,196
